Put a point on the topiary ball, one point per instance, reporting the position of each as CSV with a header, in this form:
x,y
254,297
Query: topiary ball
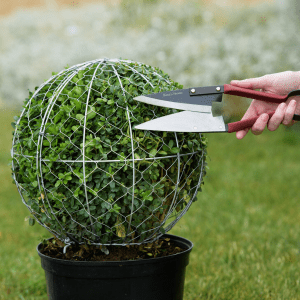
x,y
86,174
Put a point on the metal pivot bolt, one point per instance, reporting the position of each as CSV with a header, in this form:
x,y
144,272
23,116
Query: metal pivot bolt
x,y
193,91
218,89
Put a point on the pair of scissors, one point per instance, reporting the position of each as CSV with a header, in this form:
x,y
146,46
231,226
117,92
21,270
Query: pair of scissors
x,y
202,108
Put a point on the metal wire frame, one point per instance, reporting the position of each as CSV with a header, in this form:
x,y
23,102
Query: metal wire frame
x,y
63,235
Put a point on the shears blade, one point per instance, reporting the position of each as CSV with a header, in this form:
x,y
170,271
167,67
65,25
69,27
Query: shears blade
x,y
182,100
186,121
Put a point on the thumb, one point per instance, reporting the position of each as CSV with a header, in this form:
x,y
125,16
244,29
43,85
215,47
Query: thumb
x,y
251,83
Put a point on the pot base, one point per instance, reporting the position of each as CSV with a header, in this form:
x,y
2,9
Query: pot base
x,y
148,279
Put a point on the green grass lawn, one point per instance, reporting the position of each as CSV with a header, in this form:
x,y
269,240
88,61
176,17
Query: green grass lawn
x,y
245,225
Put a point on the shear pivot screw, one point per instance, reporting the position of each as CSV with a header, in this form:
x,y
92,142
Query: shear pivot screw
x,y
193,90
218,89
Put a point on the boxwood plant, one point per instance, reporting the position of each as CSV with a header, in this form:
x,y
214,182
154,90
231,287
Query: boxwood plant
x,y
82,169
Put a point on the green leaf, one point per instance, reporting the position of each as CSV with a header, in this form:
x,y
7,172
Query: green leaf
x,y
58,183
112,184
175,150
153,152
80,74
79,117
91,115
74,128
166,148
35,183
46,143
162,152
121,156
77,103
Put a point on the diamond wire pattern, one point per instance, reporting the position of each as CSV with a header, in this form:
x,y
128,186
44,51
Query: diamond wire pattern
x,y
91,196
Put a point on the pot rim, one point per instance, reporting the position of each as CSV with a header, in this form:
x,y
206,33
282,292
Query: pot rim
x,y
138,261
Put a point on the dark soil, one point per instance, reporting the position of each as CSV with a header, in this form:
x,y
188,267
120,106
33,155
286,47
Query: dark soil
x,y
162,247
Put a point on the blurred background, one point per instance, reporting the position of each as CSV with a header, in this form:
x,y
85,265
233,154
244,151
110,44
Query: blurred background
x,y
245,224
197,43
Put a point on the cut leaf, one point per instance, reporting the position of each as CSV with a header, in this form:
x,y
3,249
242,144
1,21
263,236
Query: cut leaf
x,y
121,232
31,221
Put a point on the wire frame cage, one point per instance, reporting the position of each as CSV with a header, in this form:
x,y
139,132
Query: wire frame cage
x,y
86,174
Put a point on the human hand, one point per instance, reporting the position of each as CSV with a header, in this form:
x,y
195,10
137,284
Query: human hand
x,y
278,83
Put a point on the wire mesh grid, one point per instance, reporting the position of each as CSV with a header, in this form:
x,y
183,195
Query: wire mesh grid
x,y
86,174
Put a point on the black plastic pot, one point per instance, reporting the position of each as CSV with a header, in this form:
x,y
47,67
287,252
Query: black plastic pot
x,y
147,279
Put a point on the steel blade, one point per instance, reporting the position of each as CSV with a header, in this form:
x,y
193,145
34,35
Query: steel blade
x,y
176,105
181,99
186,121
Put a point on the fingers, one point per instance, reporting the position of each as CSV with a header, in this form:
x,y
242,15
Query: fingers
x,y
277,118
251,83
283,114
260,124
257,128
241,134
280,83
289,113
274,122
250,113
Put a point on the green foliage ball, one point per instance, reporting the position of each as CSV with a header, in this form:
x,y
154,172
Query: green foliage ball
x,y
82,169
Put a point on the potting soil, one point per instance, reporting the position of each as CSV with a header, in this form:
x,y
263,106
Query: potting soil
x,y
162,247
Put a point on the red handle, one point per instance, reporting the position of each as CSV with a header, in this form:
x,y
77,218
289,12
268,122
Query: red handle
x,y
244,124
268,97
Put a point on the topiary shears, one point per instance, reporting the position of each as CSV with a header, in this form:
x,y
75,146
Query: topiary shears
x,y
202,108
